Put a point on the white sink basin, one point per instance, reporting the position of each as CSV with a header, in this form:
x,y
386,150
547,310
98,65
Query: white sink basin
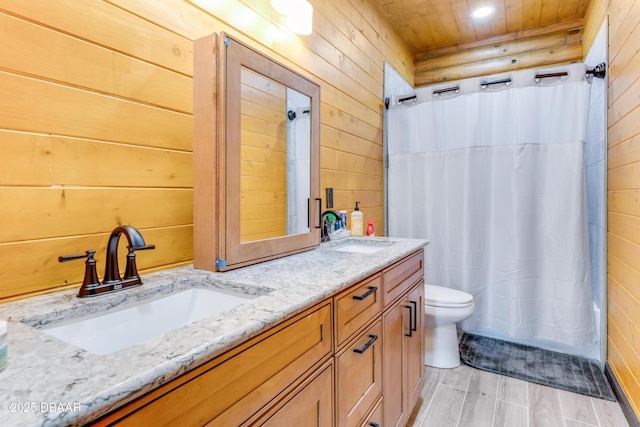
x,y
112,331
362,249
362,246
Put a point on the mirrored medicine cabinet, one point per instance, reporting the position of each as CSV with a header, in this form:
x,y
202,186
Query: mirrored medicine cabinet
x,y
256,157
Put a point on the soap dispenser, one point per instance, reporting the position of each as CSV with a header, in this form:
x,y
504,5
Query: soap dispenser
x,y
356,222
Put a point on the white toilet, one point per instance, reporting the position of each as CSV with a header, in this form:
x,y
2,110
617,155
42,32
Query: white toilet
x,y
443,308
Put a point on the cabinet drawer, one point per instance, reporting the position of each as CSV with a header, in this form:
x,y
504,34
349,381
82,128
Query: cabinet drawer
x,y
357,306
236,388
311,404
359,377
375,417
398,278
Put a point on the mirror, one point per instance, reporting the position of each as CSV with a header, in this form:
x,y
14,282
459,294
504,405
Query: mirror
x,y
275,175
256,157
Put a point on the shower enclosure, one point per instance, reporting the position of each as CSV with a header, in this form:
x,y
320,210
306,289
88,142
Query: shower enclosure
x,y
492,172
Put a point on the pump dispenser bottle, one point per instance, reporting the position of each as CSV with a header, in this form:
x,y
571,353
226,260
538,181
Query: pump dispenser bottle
x,y
356,222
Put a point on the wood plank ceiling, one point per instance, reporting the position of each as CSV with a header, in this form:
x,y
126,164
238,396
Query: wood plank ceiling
x,y
432,28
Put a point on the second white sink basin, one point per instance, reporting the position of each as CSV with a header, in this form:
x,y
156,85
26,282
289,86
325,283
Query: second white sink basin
x,y
113,331
362,249
362,246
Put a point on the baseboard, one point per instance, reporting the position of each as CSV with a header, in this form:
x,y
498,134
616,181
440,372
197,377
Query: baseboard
x,y
627,410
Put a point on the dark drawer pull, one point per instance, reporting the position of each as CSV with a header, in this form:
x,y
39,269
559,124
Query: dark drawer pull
x,y
410,334
372,424
415,316
372,339
372,289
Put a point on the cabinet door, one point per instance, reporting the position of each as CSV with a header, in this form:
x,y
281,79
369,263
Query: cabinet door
x,y
395,325
359,376
414,350
312,406
403,356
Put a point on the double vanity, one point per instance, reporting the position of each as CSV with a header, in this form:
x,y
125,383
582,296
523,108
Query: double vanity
x,y
331,335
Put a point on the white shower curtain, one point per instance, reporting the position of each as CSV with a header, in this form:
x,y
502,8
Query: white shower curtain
x,y
495,180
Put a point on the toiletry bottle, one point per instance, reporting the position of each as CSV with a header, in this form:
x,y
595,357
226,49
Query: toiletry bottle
x,y
3,344
331,222
343,214
370,230
356,222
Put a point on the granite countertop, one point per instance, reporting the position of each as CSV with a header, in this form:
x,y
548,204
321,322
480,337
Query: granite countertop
x,y
48,382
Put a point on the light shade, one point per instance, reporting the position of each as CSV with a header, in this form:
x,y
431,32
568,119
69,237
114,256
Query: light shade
x,y
299,14
280,5
300,17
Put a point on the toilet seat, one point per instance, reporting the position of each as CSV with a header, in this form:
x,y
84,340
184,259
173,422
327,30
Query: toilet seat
x,y
438,296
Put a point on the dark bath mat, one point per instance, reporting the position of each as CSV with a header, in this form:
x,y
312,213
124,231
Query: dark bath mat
x,y
559,370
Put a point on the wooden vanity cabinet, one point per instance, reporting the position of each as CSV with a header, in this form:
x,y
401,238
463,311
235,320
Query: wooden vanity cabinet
x,y
349,361
403,349
393,303
242,383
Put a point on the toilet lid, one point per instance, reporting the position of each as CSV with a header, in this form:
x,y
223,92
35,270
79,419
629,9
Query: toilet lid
x,y
446,297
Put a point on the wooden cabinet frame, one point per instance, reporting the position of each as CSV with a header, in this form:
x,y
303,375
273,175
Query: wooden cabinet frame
x,y
217,244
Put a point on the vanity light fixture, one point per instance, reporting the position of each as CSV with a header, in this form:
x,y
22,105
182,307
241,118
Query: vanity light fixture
x,y
299,14
482,12
280,5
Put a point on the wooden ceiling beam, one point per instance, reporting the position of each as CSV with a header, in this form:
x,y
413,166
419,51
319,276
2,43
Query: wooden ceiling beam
x,y
516,35
499,50
545,50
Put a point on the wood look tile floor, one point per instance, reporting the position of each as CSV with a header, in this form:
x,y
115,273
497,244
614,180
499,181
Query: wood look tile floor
x,y
468,397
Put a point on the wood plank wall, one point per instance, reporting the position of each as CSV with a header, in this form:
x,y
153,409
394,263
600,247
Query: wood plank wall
x,y
96,120
538,47
623,343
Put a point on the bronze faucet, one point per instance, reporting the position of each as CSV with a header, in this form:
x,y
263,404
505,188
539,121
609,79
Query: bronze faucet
x,y
136,243
324,230
91,286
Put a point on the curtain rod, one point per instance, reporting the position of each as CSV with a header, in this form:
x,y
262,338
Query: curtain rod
x,y
387,100
437,93
407,98
599,71
484,85
538,77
